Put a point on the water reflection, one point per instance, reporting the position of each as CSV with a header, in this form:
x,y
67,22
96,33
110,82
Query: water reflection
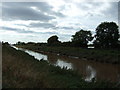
x,y
89,69
63,64
37,56
15,47
91,73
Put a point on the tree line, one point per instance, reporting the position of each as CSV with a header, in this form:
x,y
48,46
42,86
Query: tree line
x,y
106,36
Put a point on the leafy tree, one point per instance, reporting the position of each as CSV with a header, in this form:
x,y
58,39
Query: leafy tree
x,y
53,40
107,35
81,38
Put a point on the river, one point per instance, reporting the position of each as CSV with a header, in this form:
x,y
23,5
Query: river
x,y
89,69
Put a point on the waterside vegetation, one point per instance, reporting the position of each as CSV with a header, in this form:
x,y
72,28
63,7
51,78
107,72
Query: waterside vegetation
x,y
21,70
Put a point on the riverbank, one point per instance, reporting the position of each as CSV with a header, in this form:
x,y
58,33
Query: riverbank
x,y
21,70
100,55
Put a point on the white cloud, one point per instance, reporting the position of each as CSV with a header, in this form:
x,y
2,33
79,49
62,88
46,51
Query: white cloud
x,y
56,4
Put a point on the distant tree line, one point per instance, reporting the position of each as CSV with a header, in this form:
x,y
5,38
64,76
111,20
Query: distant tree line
x,y
30,43
5,43
107,35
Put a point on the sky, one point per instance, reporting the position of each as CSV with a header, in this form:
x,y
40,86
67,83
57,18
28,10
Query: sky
x,y
37,21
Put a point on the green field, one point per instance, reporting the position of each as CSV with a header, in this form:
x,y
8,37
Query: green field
x,y
23,71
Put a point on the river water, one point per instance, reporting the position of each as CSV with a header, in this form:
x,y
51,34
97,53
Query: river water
x,y
89,69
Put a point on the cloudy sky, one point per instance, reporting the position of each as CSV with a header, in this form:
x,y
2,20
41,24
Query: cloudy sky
x,y
37,21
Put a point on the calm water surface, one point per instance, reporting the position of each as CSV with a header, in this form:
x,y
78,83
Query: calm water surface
x,y
89,69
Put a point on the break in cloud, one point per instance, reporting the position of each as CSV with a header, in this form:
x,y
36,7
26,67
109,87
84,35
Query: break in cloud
x,y
37,21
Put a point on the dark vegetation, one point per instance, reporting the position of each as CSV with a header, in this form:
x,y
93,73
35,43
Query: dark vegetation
x,y
107,35
21,70
81,38
53,41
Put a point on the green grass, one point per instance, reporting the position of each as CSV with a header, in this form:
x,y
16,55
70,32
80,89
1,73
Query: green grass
x,y
20,70
100,55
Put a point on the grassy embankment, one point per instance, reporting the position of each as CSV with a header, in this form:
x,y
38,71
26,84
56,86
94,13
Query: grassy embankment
x,y
100,55
22,71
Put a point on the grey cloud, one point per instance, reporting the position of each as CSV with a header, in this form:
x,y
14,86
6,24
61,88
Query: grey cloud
x,y
50,25
45,7
119,12
112,11
26,31
58,14
91,6
22,11
44,25
66,28
16,30
22,25
8,28
49,33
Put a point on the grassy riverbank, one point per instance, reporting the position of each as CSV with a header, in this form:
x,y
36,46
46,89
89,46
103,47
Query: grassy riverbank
x,y
100,55
19,70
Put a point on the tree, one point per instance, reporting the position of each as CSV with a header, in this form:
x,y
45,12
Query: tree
x,y
5,43
53,40
107,35
20,43
81,38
